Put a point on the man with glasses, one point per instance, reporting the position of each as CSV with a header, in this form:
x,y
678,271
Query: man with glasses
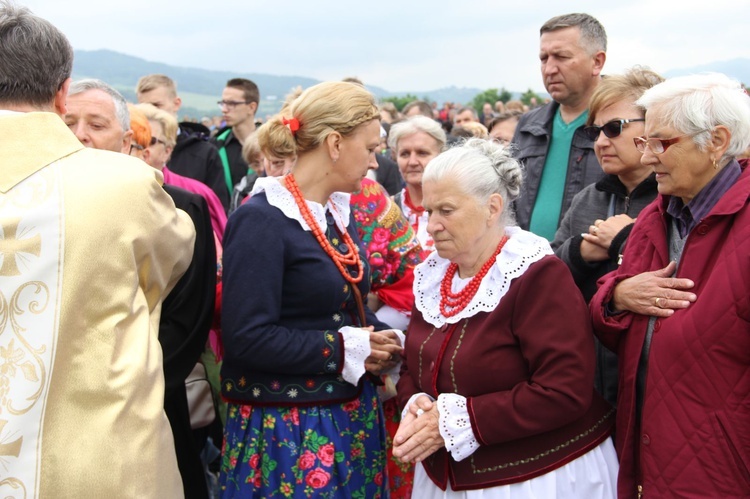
x,y
193,156
238,104
558,156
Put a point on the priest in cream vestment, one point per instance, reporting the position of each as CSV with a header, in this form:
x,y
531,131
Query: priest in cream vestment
x,y
90,245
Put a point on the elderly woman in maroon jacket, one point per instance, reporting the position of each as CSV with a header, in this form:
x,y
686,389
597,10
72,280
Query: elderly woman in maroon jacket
x,y
678,308
499,360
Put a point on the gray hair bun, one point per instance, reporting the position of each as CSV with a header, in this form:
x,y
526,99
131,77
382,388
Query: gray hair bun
x,y
508,169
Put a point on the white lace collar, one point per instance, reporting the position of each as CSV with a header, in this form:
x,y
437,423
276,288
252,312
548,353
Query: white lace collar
x,y
281,198
522,249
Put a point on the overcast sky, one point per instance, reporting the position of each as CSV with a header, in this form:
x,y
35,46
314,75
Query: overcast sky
x,y
397,45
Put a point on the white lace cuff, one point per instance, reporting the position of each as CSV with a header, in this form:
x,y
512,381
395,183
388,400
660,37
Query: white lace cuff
x,y
455,426
394,372
356,350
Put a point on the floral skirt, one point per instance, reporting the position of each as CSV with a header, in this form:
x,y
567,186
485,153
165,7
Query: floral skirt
x,y
330,451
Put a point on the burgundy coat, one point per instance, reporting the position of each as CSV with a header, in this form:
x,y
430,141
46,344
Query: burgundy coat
x,y
527,370
694,437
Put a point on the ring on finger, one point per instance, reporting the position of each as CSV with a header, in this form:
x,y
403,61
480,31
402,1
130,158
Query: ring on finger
x,y
657,302
594,229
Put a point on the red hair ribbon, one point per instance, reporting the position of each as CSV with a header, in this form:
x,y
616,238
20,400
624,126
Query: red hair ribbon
x,y
292,124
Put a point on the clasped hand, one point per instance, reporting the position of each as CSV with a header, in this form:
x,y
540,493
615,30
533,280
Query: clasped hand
x,y
385,351
418,435
596,243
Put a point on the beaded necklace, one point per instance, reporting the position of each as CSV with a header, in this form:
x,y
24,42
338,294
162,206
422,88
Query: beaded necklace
x,y
351,257
452,303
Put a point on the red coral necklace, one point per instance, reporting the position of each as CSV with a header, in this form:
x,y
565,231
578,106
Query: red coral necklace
x,y
351,257
452,303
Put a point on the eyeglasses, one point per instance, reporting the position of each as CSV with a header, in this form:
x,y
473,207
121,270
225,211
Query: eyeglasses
x,y
611,129
231,104
658,146
154,140
137,147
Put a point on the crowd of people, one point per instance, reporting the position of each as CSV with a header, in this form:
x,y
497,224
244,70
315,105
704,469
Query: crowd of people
x,y
355,301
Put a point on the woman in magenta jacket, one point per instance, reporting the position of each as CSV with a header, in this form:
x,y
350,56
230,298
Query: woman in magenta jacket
x,y
677,310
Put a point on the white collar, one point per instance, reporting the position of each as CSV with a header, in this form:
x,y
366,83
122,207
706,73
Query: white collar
x,y
522,249
280,197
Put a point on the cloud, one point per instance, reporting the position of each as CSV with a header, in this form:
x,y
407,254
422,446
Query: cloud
x,y
396,45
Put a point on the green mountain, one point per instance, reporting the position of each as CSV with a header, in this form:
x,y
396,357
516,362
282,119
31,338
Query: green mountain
x,y
200,88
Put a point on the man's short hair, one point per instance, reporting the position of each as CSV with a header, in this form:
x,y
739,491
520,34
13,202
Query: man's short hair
x,y
470,109
424,108
152,82
513,114
353,79
249,89
35,57
593,36
460,132
121,105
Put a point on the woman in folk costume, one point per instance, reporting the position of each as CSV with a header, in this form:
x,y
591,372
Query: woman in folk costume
x,y
415,143
301,347
498,371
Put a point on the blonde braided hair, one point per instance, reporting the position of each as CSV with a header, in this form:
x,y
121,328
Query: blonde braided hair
x,y
322,109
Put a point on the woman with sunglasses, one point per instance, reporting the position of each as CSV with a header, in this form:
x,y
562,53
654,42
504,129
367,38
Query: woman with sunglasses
x,y
593,232
678,307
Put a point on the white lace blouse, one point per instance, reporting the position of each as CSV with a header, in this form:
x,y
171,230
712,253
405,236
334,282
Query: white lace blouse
x,y
520,251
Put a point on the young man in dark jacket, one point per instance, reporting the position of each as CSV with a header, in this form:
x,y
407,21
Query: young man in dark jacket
x,y
239,103
193,156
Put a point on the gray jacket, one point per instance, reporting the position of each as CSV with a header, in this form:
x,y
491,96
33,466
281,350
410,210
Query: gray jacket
x,y
603,199
530,145
593,202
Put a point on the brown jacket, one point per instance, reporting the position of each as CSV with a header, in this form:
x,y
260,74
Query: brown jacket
x,y
527,370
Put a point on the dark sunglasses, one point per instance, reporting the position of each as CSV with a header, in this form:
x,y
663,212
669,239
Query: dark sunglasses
x,y
611,129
